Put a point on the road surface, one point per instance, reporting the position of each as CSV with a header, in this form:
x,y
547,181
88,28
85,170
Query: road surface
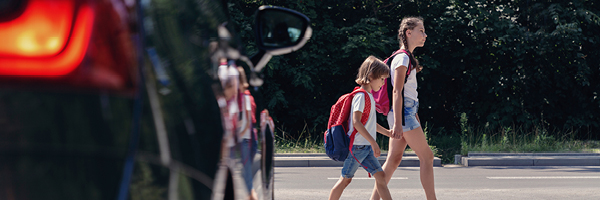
x,y
464,183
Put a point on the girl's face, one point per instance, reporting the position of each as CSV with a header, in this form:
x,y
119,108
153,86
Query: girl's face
x,y
377,83
417,35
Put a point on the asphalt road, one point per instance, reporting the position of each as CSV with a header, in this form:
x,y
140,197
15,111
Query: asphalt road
x,y
464,183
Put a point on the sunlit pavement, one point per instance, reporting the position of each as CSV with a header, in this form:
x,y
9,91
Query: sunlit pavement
x,y
452,182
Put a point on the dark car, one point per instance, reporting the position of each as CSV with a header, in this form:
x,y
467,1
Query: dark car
x,y
124,99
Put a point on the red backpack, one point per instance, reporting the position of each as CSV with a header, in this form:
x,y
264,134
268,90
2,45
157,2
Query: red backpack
x,y
382,97
337,142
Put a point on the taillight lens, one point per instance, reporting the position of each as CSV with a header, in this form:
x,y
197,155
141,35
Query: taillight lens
x,y
69,44
49,38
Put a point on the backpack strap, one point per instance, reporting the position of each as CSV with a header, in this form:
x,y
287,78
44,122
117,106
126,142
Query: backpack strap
x,y
390,92
252,105
363,120
240,102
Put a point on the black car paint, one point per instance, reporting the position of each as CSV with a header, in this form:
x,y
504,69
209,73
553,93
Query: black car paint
x,y
73,143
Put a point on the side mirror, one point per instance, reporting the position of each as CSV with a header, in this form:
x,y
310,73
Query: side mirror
x,y
278,31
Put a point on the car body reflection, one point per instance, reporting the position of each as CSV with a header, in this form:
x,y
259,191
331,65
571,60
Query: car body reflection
x,y
141,109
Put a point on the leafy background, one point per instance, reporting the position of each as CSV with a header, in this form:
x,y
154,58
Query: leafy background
x,y
489,64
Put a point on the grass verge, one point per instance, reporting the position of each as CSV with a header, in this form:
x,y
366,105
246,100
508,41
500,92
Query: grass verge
x,y
445,144
307,142
310,142
536,139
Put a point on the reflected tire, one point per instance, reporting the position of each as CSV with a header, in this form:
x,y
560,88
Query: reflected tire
x,y
267,163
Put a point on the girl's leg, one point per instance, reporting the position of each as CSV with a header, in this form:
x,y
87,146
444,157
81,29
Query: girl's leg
x,y
394,157
338,188
418,143
381,185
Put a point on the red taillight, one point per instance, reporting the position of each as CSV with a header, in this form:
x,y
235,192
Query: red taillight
x,y
42,29
49,38
69,44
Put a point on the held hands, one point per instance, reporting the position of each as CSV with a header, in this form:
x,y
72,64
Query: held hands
x,y
388,132
397,132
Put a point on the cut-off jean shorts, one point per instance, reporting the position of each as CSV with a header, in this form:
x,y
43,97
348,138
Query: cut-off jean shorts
x,y
411,107
364,154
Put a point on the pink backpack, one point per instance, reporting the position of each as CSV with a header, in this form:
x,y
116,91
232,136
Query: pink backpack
x,y
383,97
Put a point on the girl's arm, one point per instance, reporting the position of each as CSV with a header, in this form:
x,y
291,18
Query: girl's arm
x,y
383,131
247,112
363,131
247,124
397,99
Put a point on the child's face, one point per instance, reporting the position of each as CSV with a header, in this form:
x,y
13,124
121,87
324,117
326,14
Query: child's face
x,y
229,90
377,83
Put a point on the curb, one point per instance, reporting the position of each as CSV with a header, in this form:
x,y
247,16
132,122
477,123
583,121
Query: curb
x,y
321,160
530,159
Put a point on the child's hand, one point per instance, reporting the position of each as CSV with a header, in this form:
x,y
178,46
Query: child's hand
x,y
376,150
397,132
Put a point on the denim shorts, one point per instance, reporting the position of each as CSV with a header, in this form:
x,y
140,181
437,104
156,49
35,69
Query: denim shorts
x,y
364,154
411,107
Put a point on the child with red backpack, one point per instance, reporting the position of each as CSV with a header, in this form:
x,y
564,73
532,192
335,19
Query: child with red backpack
x,y
365,150
246,133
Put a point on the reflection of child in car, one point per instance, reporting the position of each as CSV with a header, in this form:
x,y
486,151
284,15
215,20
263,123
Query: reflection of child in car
x,y
228,75
246,132
239,117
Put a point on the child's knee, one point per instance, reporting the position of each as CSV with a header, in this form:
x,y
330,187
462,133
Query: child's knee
x,y
345,181
379,176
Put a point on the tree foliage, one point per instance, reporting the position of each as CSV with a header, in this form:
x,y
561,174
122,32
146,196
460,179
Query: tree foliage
x,y
500,62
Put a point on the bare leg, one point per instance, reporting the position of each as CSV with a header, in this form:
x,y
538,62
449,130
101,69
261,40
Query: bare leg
x,y
394,157
381,185
418,143
253,195
338,188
